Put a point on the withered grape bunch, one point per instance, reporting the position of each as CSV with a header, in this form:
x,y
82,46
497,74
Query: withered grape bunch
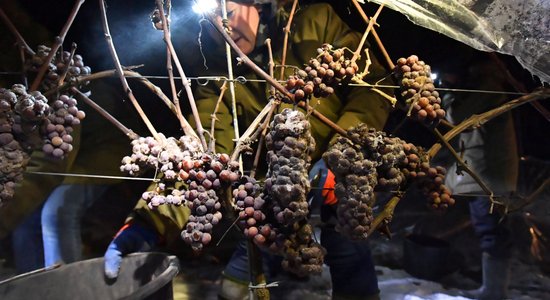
x,y
367,160
418,90
13,157
62,65
321,74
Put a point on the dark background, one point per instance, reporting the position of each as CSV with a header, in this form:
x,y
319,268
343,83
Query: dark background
x,y
138,43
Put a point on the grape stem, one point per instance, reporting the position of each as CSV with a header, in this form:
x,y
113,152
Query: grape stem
x,y
120,73
18,37
184,80
81,97
58,41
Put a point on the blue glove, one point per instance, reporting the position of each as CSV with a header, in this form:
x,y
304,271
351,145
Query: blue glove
x,y
130,238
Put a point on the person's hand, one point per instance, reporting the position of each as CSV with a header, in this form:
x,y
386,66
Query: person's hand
x,y
322,186
130,238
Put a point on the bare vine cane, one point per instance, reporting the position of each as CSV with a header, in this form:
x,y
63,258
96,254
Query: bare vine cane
x,y
385,216
476,121
529,199
212,145
188,130
518,86
370,25
15,32
288,97
57,43
71,56
375,35
285,40
81,97
185,81
467,169
120,73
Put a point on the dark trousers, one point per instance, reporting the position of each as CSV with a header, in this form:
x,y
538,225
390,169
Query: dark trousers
x,y
493,232
351,266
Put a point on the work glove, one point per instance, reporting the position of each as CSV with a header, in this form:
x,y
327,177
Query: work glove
x,y
322,186
130,238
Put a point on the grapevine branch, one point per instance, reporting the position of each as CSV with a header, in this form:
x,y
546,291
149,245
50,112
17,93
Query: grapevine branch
x,y
477,120
262,140
465,167
16,33
81,97
375,35
518,86
64,75
214,118
120,72
268,118
57,43
529,199
229,58
243,138
386,215
372,21
285,41
245,59
131,74
185,81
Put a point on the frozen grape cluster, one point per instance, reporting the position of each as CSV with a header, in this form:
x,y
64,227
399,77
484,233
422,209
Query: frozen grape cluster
x,y
187,176
418,90
355,173
59,126
365,161
321,74
22,116
62,65
430,179
302,255
251,205
289,143
208,176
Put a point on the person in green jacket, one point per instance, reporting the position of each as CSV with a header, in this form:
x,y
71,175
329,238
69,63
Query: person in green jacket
x,y
251,24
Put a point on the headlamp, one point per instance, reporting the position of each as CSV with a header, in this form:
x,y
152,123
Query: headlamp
x,y
205,6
